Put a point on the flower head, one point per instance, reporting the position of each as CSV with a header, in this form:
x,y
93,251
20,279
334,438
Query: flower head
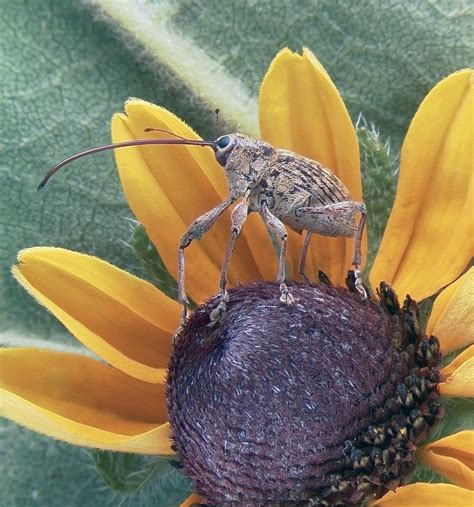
x,y
129,323
323,401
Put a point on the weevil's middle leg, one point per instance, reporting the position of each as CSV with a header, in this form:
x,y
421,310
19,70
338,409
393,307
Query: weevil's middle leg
x,y
276,226
304,252
239,215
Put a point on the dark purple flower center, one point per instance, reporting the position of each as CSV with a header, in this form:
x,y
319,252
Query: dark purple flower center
x,y
317,403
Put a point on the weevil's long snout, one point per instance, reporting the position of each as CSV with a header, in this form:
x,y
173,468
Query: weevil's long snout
x,y
124,144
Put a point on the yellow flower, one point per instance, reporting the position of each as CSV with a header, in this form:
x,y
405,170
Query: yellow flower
x,y
129,323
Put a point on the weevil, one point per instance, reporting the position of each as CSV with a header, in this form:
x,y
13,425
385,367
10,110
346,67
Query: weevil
x,y
287,189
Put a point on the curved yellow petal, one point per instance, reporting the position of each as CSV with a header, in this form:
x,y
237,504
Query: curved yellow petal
x,y
453,457
428,240
191,500
422,494
301,110
168,187
124,320
452,316
459,375
459,360
83,402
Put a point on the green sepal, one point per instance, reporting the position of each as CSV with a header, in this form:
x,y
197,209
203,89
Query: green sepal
x,y
152,263
378,183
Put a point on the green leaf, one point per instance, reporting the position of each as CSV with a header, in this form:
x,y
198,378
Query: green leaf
x,y
64,75
425,474
459,417
35,470
384,56
137,479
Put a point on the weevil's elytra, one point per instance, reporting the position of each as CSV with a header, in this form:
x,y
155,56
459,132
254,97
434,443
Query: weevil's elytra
x,y
287,189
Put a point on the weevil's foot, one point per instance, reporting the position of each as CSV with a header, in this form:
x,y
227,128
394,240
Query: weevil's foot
x,y
182,324
306,278
285,295
324,279
218,314
184,314
358,285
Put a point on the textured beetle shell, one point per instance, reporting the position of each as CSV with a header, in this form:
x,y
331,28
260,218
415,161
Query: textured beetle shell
x,y
293,182
287,182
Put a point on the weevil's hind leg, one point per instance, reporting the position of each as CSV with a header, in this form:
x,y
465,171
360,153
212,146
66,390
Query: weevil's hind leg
x,y
276,226
357,257
304,252
195,231
337,220
239,215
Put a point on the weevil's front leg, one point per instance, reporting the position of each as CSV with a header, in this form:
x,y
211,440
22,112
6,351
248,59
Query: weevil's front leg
x,y
195,231
304,252
337,220
239,215
276,226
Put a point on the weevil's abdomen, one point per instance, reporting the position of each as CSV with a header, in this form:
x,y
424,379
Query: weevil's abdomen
x,y
293,184
317,403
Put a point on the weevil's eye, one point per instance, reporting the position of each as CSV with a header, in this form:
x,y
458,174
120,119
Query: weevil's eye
x,y
223,148
223,141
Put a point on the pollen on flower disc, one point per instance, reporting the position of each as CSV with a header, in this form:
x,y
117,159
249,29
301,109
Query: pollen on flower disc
x,y
321,401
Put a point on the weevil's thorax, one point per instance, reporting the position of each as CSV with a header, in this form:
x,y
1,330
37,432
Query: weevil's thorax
x,y
245,161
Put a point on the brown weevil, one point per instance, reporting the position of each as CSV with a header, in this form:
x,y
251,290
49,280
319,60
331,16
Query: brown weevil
x,y
284,187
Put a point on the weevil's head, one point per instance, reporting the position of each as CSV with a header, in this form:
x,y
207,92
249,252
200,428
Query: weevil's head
x,y
244,159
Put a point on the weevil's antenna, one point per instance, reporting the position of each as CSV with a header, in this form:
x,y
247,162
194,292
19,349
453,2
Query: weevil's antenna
x,y
217,111
148,129
124,144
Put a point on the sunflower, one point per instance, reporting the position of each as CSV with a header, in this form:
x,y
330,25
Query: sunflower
x,y
129,323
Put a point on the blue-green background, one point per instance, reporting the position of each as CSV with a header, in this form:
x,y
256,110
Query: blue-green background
x,y
65,70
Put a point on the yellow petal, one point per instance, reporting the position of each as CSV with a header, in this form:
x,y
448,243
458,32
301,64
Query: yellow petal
x,y
83,402
428,240
301,110
168,187
452,316
459,360
422,494
194,498
123,319
459,375
453,457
